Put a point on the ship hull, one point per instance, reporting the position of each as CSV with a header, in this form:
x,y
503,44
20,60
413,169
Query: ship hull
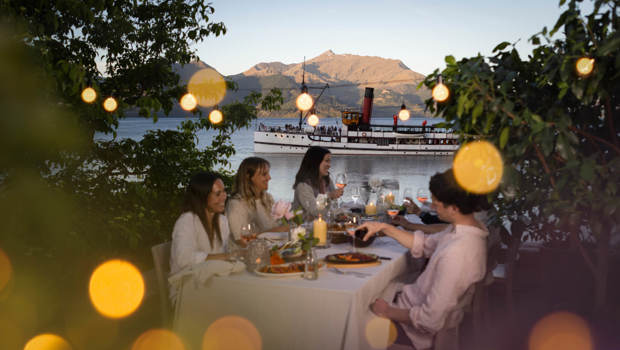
x,y
287,143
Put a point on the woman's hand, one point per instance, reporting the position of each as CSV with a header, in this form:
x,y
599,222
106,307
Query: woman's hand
x,y
335,194
380,307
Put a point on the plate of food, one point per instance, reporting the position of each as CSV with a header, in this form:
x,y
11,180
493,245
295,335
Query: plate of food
x,y
351,258
283,270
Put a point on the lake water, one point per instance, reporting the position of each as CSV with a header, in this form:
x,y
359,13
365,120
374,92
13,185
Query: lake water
x,y
408,171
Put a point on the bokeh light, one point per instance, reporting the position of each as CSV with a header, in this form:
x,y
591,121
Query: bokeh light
x,y
313,120
216,116
403,114
116,288
110,104
440,92
304,101
584,66
232,332
47,341
89,95
478,167
158,339
207,86
6,270
381,332
188,102
561,330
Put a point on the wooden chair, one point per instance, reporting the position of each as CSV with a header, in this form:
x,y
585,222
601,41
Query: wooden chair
x,y
161,260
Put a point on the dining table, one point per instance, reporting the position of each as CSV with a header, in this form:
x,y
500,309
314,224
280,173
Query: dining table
x,y
331,312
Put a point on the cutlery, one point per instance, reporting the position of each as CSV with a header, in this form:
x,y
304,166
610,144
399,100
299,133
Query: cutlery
x,y
384,258
352,273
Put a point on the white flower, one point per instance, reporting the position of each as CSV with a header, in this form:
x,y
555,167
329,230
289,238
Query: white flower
x,y
295,232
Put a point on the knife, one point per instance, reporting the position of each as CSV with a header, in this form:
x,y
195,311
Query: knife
x,y
384,258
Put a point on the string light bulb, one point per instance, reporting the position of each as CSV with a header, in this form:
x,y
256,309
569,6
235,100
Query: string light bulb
x,y
89,95
188,102
304,100
313,120
404,113
584,66
110,104
215,117
440,91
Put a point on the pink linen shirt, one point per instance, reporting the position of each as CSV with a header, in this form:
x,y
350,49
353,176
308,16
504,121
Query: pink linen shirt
x,y
436,299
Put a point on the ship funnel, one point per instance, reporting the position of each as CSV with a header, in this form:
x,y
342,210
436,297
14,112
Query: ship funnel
x,y
367,107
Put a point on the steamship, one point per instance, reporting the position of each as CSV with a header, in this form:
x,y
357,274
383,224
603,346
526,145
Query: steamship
x,y
358,136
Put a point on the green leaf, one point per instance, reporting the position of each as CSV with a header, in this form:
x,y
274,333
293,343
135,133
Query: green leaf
x,y
477,111
503,137
450,60
609,46
501,46
586,171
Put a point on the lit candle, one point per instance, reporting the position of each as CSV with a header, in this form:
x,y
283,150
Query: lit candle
x,y
389,198
319,229
371,208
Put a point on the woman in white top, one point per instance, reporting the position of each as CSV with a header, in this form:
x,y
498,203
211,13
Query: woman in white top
x,y
250,202
312,179
201,232
457,260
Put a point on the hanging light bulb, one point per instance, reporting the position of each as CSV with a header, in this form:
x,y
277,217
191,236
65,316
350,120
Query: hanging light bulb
x,y
440,91
304,100
89,95
188,102
404,113
584,66
215,117
313,120
110,104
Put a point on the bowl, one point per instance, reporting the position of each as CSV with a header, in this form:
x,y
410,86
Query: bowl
x,y
359,236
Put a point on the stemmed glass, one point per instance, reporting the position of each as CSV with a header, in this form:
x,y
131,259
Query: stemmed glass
x,y
423,195
392,212
248,232
350,226
408,193
355,194
341,180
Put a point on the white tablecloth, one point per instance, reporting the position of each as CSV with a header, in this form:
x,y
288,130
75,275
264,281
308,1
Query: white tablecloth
x,y
292,313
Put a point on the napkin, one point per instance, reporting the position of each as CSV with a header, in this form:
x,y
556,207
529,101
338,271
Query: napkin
x,y
201,273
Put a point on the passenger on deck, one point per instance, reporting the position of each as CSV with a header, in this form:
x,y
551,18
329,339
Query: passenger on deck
x,y
313,179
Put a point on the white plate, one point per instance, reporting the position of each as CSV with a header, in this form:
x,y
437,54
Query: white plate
x,y
290,274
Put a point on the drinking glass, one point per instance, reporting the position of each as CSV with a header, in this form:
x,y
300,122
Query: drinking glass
x,y
355,194
341,180
422,195
408,193
248,232
392,212
350,226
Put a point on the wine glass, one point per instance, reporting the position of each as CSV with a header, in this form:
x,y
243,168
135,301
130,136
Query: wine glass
x,y
341,180
392,212
350,226
355,194
422,195
248,232
408,193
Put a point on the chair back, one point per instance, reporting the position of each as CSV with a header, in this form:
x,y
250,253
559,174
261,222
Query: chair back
x,y
161,261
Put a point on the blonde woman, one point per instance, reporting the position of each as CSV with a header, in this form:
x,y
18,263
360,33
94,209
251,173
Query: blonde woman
x,y
250,202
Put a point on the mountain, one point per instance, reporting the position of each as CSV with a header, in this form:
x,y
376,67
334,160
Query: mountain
x,y
347,75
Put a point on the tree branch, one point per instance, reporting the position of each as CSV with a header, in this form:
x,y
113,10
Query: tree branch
x,y
545,165
586,134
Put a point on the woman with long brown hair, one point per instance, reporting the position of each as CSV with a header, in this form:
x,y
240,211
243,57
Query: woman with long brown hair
x,y
250,202
201,232
313,179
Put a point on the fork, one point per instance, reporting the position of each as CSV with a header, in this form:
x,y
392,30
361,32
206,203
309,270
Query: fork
x,y
352,273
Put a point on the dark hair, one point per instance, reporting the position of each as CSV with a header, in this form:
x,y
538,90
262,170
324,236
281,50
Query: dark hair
x,y
196,195
309,168
243,181
445,188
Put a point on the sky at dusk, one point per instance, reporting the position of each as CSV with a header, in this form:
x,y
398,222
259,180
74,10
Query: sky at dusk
x,y
418,32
